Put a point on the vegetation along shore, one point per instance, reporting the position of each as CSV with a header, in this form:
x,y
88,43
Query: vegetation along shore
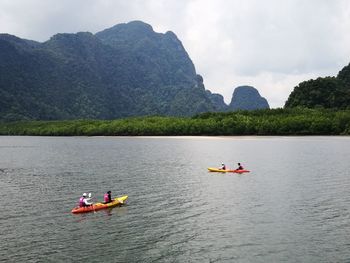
x,y
291,121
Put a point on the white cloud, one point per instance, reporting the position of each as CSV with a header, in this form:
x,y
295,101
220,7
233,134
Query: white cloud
x,y
271,45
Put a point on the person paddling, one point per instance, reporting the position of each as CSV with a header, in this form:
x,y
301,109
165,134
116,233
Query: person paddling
x,y
240,167
107,197
84,201
223,166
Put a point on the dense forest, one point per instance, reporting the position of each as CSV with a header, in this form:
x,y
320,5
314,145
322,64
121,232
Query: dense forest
x,y
328,92
295,121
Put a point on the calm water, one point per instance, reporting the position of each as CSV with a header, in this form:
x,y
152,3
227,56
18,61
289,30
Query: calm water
x,y
293,207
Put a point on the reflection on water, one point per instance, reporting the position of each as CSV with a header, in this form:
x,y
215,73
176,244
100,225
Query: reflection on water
x,y
293,206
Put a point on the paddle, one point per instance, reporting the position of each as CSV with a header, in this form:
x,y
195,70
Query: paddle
x,y
92,204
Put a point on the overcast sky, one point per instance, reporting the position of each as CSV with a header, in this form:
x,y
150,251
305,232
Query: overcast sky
x,y
271,45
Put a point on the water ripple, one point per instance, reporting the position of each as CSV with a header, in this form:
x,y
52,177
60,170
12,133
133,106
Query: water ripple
x,y
290,208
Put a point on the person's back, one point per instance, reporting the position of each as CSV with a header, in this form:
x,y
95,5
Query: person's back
x,y
107,197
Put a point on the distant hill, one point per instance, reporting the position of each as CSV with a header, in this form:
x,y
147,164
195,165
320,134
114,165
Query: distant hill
x,y
328,92
126,70
247,98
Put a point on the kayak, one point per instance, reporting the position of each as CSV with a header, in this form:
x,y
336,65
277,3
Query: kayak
x,y
227,171
98,206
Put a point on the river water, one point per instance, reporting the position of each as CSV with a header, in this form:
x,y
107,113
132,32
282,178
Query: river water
x,y
294,205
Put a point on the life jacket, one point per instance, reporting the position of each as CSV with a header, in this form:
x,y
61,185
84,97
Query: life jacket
x,y
81,201
106,198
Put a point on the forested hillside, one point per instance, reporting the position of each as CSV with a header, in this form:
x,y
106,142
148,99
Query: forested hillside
x,y
328,92
127,70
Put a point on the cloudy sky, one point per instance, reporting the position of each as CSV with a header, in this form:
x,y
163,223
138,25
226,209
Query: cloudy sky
x,y
271,45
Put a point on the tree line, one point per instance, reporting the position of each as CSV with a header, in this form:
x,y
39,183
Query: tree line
x,y
290,121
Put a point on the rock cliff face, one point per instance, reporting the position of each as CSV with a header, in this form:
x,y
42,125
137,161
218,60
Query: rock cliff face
x,y
247,98
217,100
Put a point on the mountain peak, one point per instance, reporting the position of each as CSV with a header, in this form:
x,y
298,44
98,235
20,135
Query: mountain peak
x,y
247,98
138,24
126,31
135,26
